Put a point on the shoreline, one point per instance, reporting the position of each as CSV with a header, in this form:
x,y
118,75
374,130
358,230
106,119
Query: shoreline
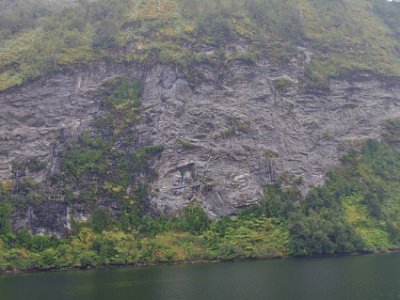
x,y
196,262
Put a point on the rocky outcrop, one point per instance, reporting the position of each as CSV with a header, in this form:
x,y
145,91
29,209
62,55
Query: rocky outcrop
x,y
225,137
247,131
39,116
48,217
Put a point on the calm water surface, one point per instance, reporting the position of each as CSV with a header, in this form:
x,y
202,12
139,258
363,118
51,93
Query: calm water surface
x,y
375,277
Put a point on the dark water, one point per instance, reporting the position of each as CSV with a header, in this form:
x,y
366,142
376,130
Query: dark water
x,y
375,277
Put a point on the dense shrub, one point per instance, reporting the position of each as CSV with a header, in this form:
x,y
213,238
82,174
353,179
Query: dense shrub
x,y
101,220
5,218
194,219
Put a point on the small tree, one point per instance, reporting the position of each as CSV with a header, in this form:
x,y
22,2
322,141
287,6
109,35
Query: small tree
x,y
195,219
101,220
5,218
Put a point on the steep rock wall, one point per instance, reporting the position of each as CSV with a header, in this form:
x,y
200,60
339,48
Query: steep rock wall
x,y
250,129
226,136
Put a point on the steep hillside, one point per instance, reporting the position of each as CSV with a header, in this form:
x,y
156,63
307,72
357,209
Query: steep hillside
x,y
40,37
223,142
145,120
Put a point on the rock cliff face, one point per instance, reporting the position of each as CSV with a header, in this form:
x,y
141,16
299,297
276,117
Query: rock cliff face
x,y
226,135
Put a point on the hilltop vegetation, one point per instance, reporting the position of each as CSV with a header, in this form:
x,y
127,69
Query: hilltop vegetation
x,y
38,37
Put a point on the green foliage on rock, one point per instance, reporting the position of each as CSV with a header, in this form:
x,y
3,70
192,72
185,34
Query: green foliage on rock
x,y
194,219
101,220
282,83
38,37
105,166
5,218
356,210
102,166
189,237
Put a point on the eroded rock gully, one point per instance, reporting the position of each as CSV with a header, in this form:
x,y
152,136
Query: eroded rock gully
x,y
224,140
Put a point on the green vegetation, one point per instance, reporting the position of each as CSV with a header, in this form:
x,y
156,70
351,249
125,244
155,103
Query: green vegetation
x,y
187,145
349,36
32,164
357,210
271,153
104,167
282,83
235,127
5,218
99,167
190,237
37,37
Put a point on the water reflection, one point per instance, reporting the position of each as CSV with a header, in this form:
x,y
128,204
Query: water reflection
x,y
352,278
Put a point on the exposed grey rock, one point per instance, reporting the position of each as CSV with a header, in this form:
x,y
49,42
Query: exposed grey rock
x,y
243,132
48,217
233,127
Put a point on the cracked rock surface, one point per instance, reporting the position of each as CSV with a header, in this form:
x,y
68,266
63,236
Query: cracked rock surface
x,y
225,143
224,139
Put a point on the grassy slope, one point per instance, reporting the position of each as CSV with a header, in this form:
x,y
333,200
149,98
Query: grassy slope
x,y
350,37
345,35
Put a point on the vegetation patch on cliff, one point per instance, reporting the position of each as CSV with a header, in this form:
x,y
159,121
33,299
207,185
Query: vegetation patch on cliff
x,y
100,167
